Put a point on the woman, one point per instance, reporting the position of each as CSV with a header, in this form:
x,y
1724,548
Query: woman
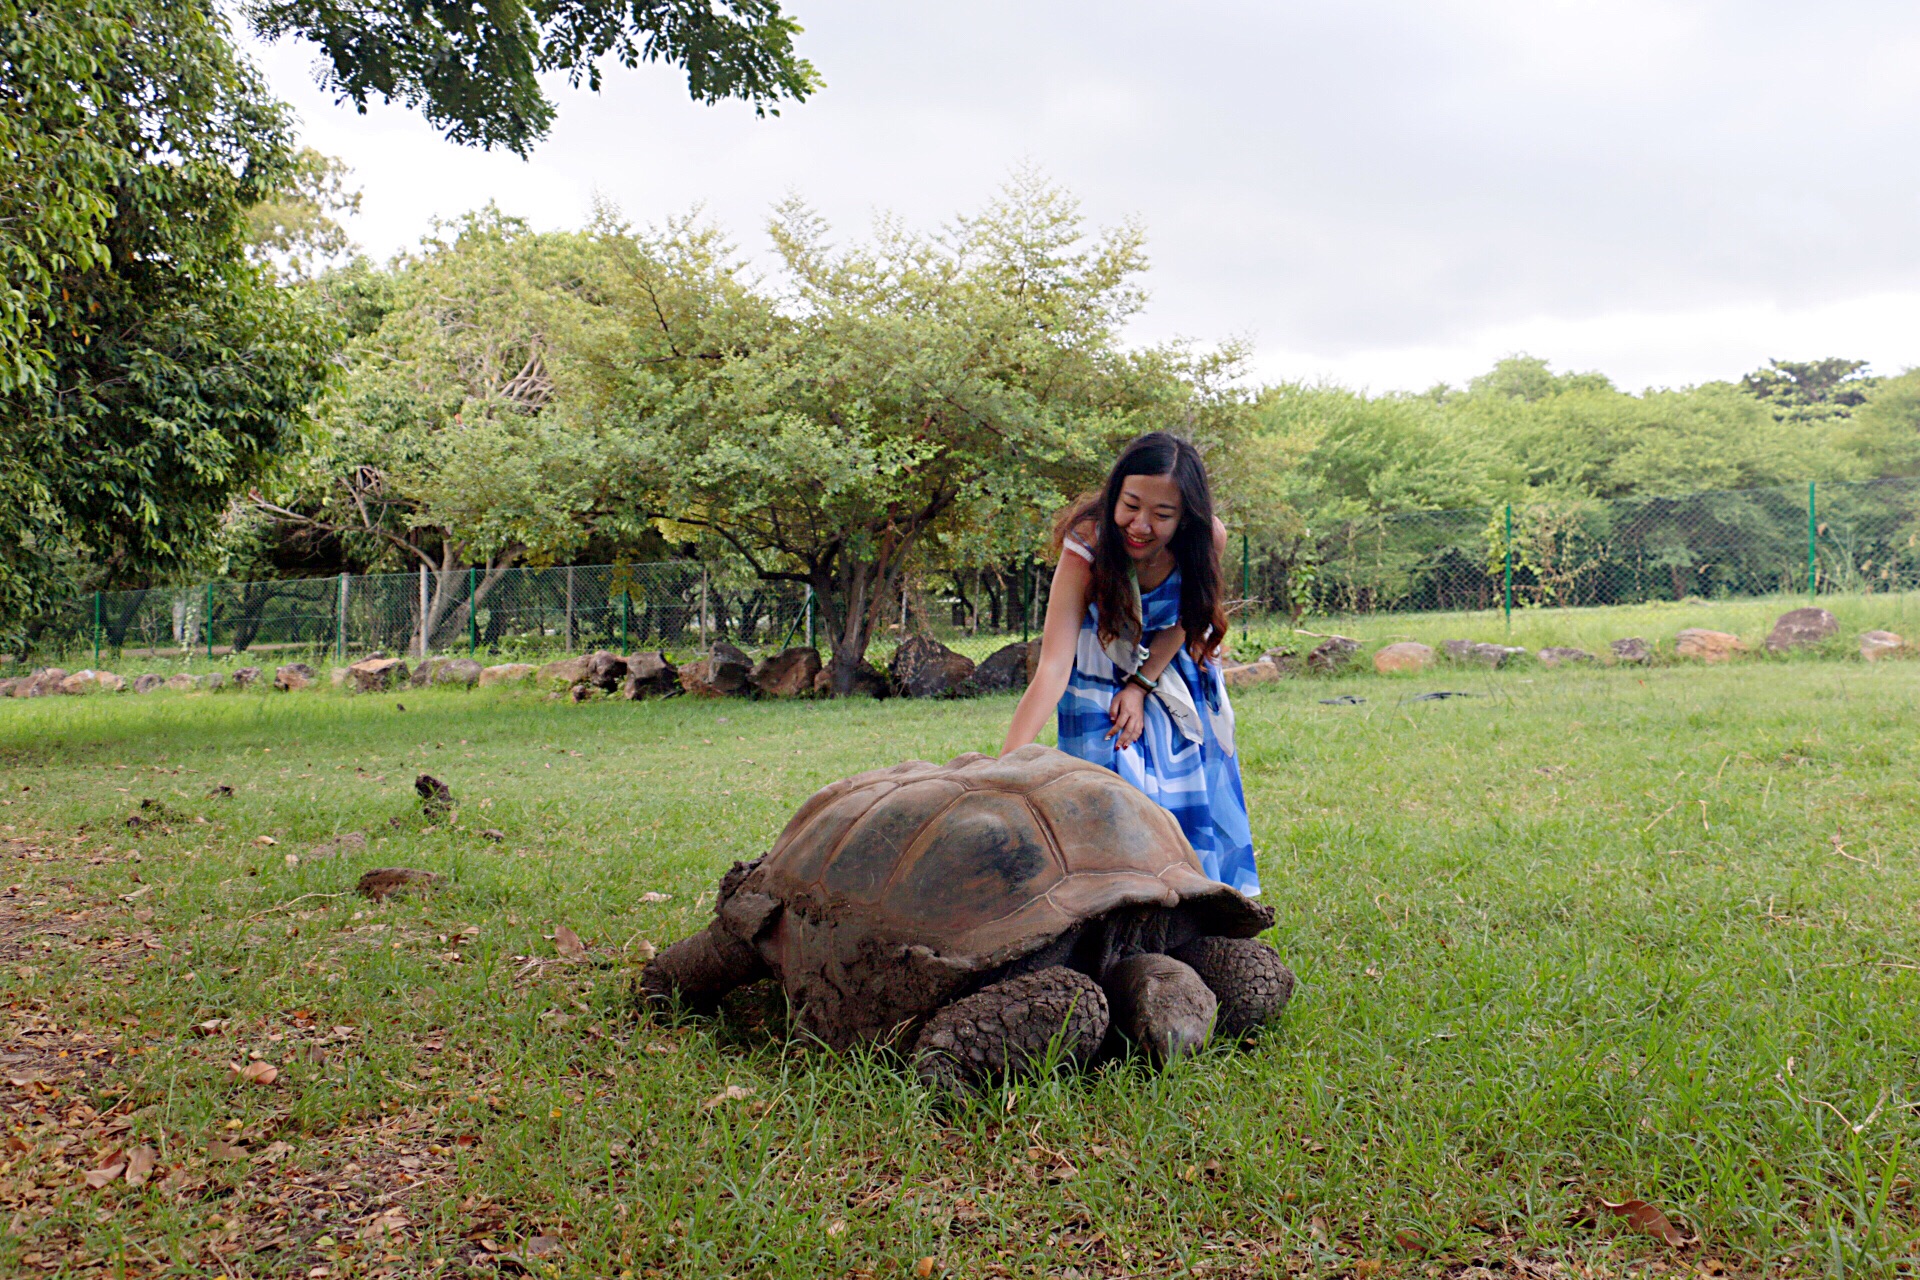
x,y
1128,654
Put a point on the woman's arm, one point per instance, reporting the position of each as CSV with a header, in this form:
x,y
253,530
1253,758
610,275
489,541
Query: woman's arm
x,y
1129,706
1066,606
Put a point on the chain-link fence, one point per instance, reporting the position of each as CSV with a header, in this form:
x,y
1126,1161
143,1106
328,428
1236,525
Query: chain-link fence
x,y
1813,539
510,614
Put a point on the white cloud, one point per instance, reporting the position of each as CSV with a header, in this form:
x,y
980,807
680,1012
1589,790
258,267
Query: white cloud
x,y
1390,191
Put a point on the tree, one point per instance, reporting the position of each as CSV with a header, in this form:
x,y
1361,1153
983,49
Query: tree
x,y
296,230
148,372
472,69
1810,390
895,391
441,447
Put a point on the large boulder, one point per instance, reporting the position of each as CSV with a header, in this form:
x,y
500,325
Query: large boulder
x,y
41,683
922,667
1555,655
245,676
147,682
1801,627
563,673
455,671
92,682
1631,649
649,675
1875,645
1707,646
289,676
182,680
725,672
7,685
1332,653
1005,668
788,674
373,675
867,679
507,673
605,670
1242,675
1407,655
1476,651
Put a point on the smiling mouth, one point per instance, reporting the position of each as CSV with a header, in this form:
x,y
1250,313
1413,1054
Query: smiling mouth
x,y
1139,542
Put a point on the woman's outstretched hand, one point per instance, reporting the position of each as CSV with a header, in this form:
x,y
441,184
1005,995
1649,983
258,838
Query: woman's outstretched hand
x,y
1129,715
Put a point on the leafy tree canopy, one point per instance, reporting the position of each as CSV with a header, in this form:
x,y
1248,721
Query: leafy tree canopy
x,y
1810,390
147,370
473,69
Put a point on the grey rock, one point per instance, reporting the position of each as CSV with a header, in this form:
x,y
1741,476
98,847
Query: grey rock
x,y
147,682
1005,668
1332,653
1631,649
245,676
1875,645
507,673
867,679
788,674
605,670
1554,655
372,675
1800,627
458,671
922,667
1242,675
293,675
649,675
725,672
1486,655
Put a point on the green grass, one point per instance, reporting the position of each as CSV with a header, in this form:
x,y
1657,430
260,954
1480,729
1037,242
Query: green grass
x,y
1593,628
1588,936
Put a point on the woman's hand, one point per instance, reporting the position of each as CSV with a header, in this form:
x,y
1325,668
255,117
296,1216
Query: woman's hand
x,y
1129,715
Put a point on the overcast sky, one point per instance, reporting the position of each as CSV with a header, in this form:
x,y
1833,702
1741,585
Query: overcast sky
x,y
1388,193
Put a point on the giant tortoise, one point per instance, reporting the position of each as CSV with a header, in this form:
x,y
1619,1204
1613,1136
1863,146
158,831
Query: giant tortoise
x,y
997,910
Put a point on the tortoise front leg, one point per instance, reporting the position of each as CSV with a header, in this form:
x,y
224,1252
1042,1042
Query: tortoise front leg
x,y
1251,981
1161,1005
700,970
1009,1027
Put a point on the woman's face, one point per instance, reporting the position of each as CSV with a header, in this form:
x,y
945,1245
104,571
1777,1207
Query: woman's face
x,y
1147,515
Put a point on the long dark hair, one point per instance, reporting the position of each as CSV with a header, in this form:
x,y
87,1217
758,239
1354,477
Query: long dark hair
x,y
1201,615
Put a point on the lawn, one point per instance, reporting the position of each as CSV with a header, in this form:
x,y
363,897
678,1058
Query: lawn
x,y
1585,937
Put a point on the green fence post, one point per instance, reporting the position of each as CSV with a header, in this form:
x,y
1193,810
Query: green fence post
x,y
1813,535
809,617
96,629
340,623
208,624
1246,570
1509,575
473,615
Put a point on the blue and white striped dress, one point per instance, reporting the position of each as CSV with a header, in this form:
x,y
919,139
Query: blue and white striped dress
x,y
1185,757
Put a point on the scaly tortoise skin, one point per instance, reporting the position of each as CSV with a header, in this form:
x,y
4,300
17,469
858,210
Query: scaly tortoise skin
x,y
893,894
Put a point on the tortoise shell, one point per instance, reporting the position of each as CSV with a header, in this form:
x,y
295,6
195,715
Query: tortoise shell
x,y
894,886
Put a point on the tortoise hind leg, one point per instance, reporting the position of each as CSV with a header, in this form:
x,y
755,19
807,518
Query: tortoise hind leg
x,y
699,970
1248,977
1009,1027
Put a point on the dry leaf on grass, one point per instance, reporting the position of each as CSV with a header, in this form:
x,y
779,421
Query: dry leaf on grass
x,y
1642,1216
732,1093
542,1246
924,1267
98,1178
256,1072
653,896
220,1149
1410,1241
838,1227
140,1163
568,943
265,840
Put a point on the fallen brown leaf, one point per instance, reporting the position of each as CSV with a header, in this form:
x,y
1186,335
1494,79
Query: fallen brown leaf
x,y
1642,1216
568,943
98,1178
265,840
838,1227
1412,1242
732,1093
541,1246
140,1162
256,1072
654,896
924,1267
220,1149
